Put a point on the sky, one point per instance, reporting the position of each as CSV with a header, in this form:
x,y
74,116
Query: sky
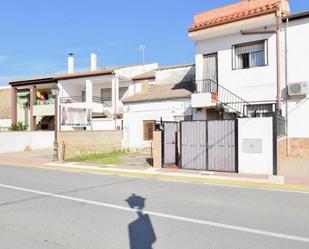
x,y
37,35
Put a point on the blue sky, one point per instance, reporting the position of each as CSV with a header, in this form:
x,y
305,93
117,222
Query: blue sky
x,y
37,35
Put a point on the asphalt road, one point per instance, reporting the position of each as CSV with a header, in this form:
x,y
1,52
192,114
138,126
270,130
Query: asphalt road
x,y
55,209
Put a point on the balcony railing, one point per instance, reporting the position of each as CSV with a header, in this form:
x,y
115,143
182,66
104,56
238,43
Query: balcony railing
x,y
80,99
224,97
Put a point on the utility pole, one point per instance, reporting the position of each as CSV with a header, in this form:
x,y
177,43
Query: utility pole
x,y
142,48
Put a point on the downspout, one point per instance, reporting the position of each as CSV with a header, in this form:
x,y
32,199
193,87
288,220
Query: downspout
x,y
278,17
286,90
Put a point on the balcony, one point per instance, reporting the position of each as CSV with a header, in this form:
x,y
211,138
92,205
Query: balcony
x,y
97,104
209,93
205,94
44,107
44,110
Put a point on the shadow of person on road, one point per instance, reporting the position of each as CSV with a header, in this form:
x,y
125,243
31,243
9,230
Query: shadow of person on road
x,y
141,232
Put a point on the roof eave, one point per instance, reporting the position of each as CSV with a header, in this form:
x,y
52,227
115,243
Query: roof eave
x,y
85,75
297,16
32,82
193,29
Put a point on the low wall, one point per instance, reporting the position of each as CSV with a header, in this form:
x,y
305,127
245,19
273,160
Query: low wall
x,y
75,143
18,141
255,139
5,124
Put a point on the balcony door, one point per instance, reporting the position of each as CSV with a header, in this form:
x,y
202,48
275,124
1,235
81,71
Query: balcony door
x,y
210,72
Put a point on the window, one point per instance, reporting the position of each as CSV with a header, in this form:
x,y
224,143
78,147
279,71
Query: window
x,y
106,95
252,54
122,92
261,110
149,127
182,118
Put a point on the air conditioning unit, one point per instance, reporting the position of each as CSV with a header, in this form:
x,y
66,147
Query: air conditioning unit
x,y
298,89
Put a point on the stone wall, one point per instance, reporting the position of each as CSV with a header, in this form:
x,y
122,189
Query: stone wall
x,y
75,143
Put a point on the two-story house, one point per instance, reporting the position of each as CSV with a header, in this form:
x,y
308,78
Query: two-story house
x,y
89,100
251,61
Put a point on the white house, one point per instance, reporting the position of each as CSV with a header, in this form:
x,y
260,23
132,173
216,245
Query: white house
x,y
98,90
250,57
160,95
296,31
88,100
5,108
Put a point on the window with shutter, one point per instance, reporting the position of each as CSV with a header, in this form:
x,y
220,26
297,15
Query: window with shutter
x,y
252,54
149,127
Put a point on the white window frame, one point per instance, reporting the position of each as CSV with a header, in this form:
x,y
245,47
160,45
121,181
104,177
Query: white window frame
x,y
234,56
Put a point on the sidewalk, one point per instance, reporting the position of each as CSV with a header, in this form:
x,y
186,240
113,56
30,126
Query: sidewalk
x,y
43,159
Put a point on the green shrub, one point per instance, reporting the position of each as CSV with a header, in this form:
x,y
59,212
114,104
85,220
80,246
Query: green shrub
x,y
20,126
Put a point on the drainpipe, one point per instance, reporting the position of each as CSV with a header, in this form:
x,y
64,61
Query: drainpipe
x,y
278,17
286,90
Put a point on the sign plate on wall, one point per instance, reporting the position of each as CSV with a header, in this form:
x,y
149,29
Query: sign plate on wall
x,y
253,146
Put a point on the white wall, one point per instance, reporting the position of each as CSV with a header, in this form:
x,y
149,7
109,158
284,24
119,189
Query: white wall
x,y
298,117
131,71
252,84
298,66
136,113
5,123
175,75
101,124
18,141
261,129
298,50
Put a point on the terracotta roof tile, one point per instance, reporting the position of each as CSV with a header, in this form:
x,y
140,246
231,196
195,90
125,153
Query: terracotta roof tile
x,y
238,11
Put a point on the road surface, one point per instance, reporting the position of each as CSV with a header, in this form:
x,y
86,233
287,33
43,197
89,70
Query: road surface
x,y
57,209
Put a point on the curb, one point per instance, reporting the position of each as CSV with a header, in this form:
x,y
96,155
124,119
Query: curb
x,y
254,183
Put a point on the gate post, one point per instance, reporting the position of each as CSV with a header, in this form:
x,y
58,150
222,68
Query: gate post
x,y
157,149
275,136
236,147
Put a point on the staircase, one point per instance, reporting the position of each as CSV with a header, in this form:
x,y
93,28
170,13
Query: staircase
x,y
224,99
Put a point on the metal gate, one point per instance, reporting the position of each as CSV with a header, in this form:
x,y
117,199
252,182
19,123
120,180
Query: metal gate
x,y
193,145
209,145
222,145
170,143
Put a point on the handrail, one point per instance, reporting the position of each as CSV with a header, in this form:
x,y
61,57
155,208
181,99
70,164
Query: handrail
x,y
80,99
225,97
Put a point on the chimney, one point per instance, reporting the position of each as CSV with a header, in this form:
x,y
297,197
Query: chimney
x,y
94,62
71,63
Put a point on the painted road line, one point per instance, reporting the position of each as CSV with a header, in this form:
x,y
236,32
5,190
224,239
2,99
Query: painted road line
x,y
178,181
167,216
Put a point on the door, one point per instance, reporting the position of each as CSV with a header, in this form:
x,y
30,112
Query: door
x,y
194,145
210,72
222,145
170,143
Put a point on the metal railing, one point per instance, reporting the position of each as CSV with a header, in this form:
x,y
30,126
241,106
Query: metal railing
x,y
224,97
80,99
